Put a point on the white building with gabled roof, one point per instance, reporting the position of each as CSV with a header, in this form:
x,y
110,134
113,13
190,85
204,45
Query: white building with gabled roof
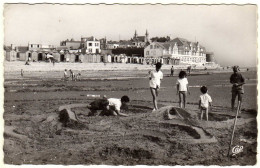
x,y
178,48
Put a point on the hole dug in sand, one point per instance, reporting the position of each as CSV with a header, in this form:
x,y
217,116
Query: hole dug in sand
x,y
177,120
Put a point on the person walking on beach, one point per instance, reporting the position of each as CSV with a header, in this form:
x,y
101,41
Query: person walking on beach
x,y
189,69
65,75
21,72
72,75
77,77
182,88
172,71
111,106
237,80
155,81
204,102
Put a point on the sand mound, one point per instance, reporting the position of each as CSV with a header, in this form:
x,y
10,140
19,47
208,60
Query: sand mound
x,y
172,112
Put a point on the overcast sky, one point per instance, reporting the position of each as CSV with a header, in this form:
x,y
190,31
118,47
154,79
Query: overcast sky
x,y
227,30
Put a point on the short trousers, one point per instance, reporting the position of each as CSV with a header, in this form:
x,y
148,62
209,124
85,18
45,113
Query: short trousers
x,y
203,108
183,92
238,93
99,104
156,87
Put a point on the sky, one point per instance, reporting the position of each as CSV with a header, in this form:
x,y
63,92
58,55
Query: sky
x,y
229,31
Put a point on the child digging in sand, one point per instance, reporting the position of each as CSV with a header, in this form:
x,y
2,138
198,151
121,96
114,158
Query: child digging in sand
x,y
205,102
111,106
182,88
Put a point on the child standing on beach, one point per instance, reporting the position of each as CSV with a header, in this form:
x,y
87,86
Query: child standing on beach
x,y
182,88
204,102
78,76
155,81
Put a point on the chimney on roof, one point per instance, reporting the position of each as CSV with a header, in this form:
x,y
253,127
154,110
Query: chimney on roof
x,y
12,46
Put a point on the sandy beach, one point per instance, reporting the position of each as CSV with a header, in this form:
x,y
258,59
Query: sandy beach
x,y
142,138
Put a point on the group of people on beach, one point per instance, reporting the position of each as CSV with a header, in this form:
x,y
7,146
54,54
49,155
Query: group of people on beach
x,y
182,85
72,75
113,106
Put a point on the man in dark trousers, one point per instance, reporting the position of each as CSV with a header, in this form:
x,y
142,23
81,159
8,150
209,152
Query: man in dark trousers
x,y
237,90
172,71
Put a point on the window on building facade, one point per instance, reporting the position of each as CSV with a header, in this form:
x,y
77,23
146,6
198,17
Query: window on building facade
x,y
151,46
31,45
90,50
89,44
147,52
38,46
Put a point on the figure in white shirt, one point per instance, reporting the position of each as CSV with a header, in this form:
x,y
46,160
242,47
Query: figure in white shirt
x,y
205,102
108,107
182,88
155,81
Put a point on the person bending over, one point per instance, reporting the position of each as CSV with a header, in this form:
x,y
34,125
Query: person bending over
x,y
111,106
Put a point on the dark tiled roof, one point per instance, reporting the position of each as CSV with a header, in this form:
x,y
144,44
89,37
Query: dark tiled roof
x,y
139,38
90,38
113,42
181,42
62,48
22,49
7,48
125,42
73,41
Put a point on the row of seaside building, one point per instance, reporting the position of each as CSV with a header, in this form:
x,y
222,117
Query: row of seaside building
x,y
138,49
85,58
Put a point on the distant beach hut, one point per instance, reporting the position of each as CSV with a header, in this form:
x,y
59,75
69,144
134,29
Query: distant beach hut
x,y
98,58
11,55
94,58
67,57
22,56
56,56
62,57
109,58
22,53
72,57
77,57
41,56
87,58
116,58
82,57
112,58
35,56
